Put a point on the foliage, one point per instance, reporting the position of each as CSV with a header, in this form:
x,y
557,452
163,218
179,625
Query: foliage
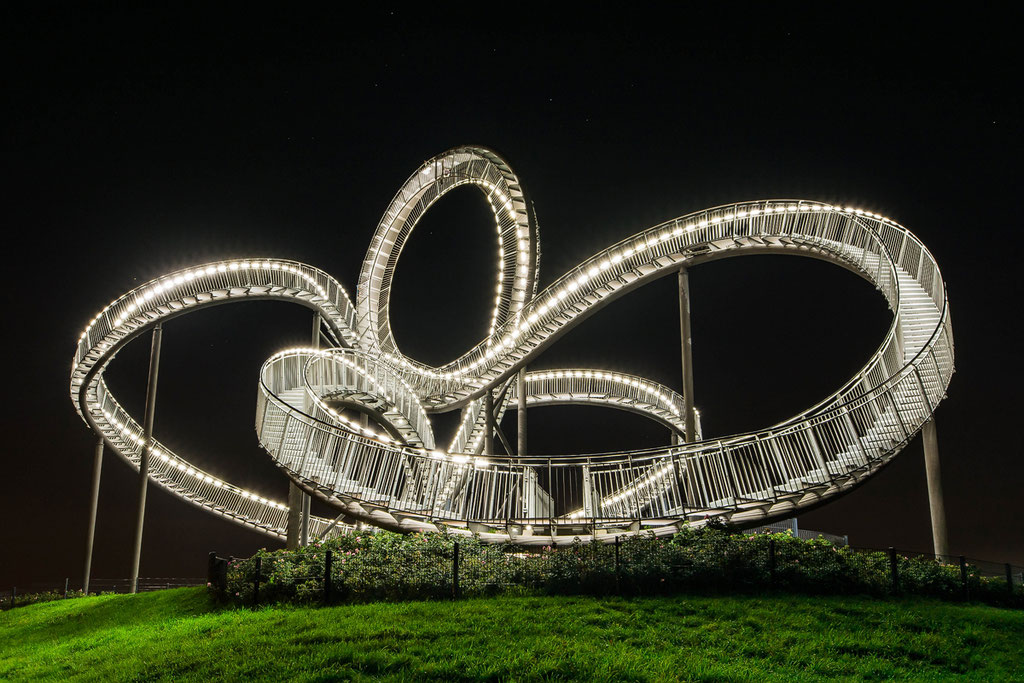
x,y
388,566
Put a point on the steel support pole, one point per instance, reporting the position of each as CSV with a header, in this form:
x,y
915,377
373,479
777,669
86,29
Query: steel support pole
x,y
489,423
687,349
521,414
294,523
936,504
97,470
147,449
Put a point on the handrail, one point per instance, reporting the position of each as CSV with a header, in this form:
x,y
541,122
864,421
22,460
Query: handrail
x,y
390,474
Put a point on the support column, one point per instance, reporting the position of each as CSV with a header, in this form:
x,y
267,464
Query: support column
x,y
294,516
97,470
687,349
147,449
489,423
521,414
936,504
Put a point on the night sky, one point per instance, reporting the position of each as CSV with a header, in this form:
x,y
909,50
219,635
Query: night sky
x,y
139,142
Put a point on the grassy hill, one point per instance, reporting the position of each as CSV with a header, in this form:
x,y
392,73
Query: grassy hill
x,y
181,635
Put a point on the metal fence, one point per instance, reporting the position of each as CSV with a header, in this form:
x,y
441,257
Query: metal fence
x,y
46,591
635,566
806,534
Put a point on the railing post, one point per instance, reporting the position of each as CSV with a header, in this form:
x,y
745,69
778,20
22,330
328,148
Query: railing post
x,y
256,582
963,578
894,570
328,560
455,571
67,581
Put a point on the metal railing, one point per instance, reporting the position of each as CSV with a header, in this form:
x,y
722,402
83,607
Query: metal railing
x,y
390,475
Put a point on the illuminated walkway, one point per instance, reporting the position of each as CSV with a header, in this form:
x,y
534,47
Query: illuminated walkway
x,y
391,473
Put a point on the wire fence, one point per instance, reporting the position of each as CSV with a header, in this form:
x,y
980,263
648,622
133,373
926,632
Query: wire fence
x,y
385,566
379,567
46,591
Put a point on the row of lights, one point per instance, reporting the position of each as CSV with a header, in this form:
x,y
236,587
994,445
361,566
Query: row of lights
x,y
170,282
608,376
126,431
543,305
352,426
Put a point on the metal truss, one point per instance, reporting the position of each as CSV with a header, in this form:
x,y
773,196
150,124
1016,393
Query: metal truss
x,y
389,473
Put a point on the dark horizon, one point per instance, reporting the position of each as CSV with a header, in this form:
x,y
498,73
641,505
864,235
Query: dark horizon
x,y
144,142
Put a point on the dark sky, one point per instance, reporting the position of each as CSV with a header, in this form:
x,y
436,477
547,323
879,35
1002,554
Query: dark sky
x,y
142,141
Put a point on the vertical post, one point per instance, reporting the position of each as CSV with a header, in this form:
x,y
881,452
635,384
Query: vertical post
x,y
14,594
294,522
489,423
67,581
963,578
147,449
455,570
936,505
328,561
304,526
687,350
618,588
256,582
521,414
795,527
894,570
97,470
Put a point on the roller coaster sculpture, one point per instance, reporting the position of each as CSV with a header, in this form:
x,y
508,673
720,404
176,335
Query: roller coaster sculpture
x,y
390,472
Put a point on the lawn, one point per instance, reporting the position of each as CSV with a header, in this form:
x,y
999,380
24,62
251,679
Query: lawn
x,y
181,635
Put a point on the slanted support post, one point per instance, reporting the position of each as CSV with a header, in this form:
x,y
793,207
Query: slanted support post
x,y
147,449
687,353
97,470
936,504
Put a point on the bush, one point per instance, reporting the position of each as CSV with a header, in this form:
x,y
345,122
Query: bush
x,y
389,566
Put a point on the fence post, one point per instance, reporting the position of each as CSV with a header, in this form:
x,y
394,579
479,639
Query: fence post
x,y
211,568
256,582
963,578
455,571
327,577
68,580
618,588
1009,578
894,570
771,561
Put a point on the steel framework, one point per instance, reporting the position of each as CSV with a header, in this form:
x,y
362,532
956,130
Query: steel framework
x,y
391,473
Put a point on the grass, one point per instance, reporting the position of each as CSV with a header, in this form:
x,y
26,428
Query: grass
x,y
181,635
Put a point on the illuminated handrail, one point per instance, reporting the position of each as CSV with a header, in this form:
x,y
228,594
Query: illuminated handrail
x,y
390,474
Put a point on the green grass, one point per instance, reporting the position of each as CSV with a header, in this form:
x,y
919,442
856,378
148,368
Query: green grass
x,y
181,635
